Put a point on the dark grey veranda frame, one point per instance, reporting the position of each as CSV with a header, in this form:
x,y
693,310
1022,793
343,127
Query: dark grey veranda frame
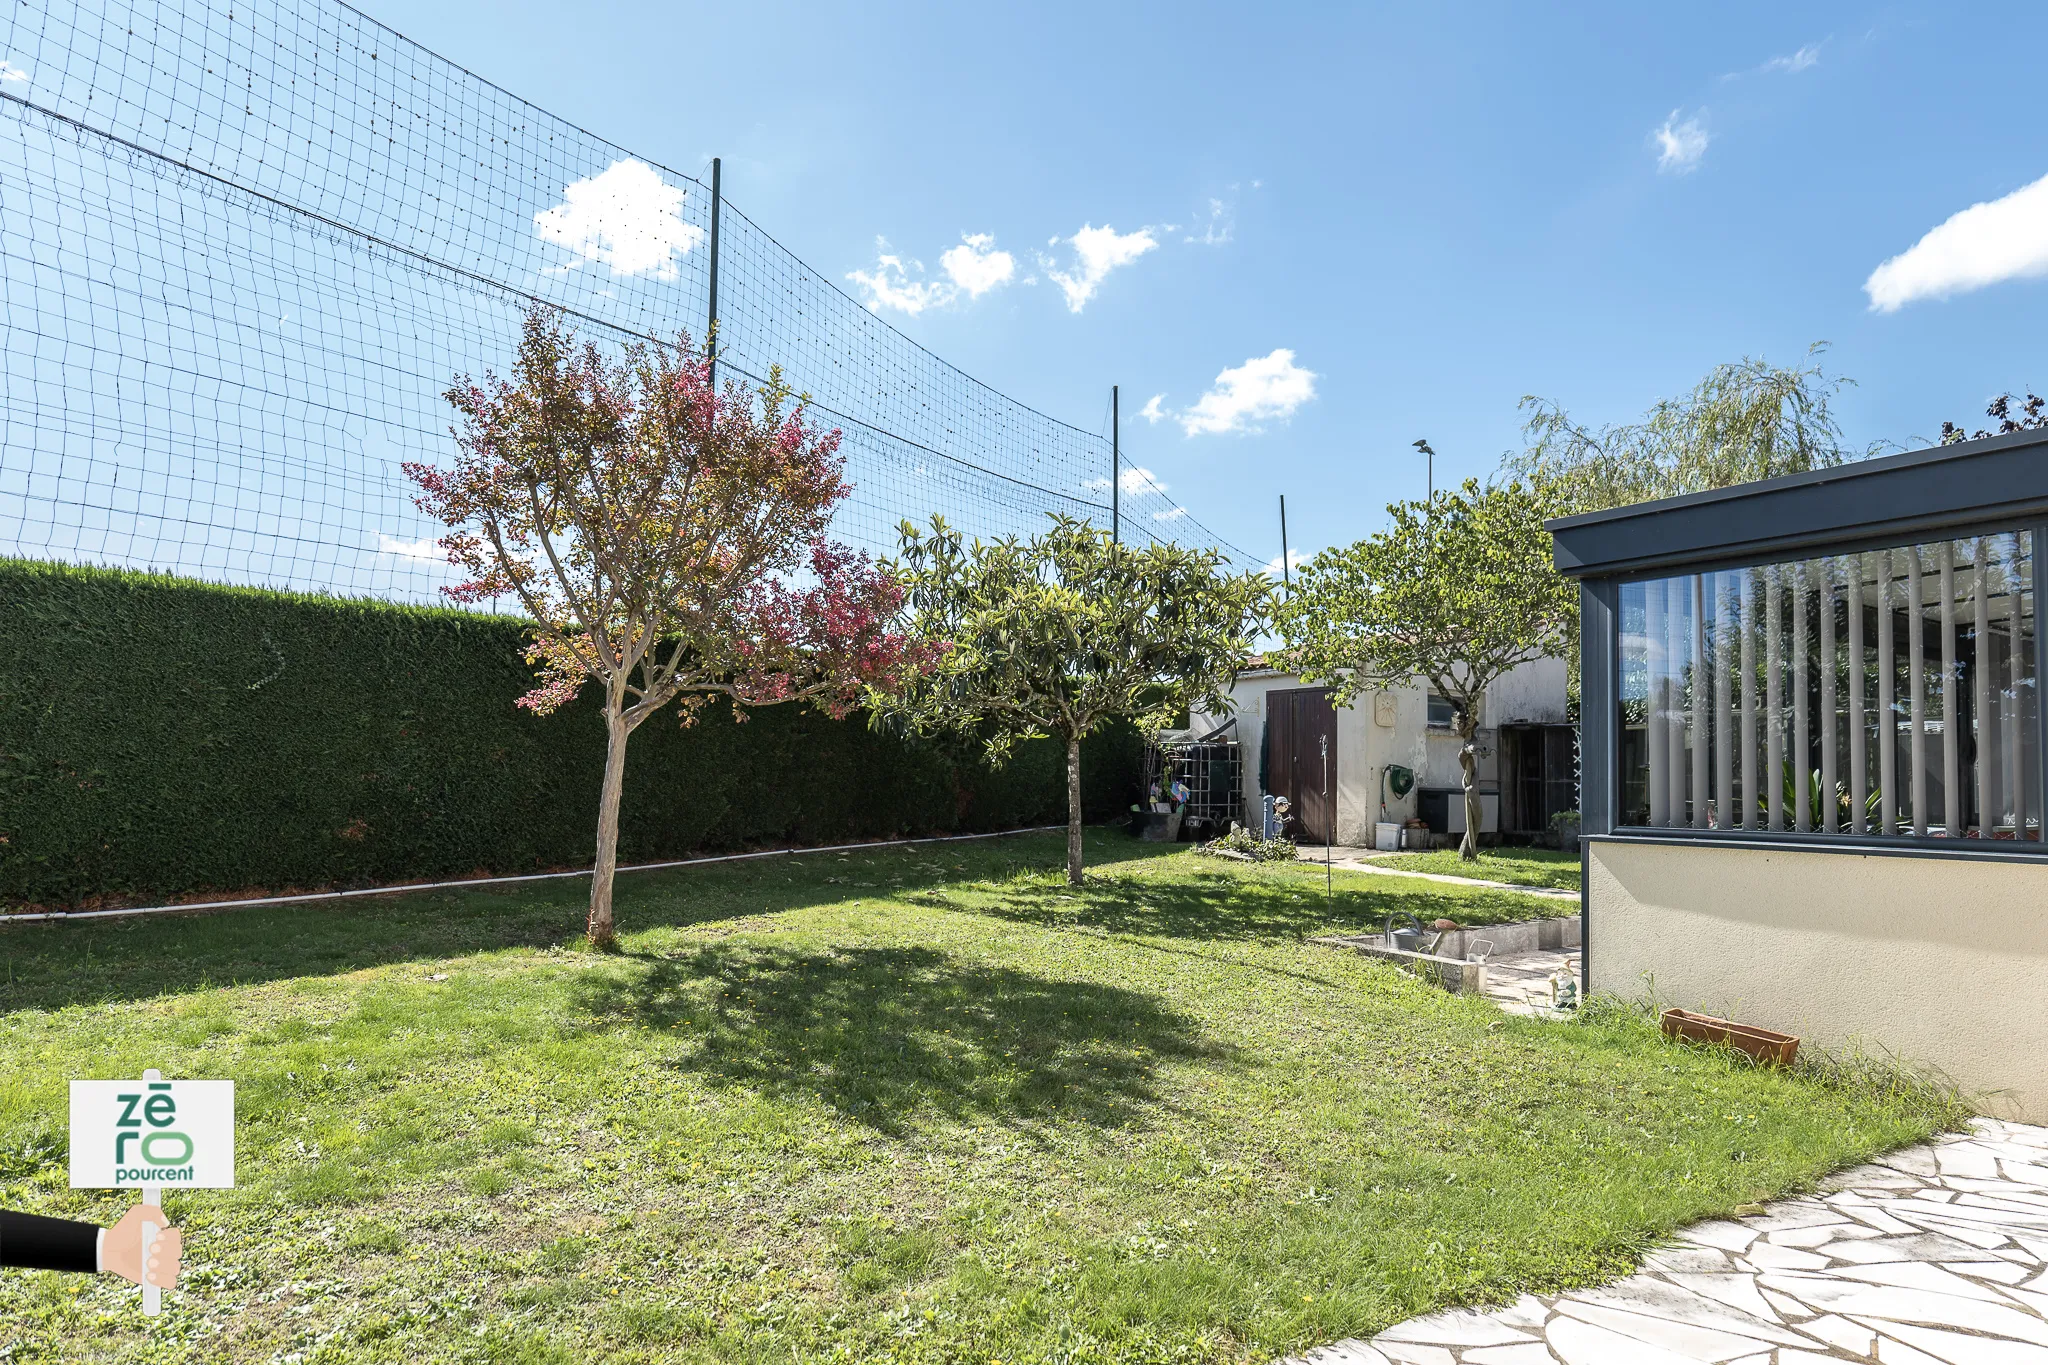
x,y
1996,484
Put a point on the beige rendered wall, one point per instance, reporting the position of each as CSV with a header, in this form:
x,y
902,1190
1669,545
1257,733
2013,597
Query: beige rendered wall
x,y
1941,962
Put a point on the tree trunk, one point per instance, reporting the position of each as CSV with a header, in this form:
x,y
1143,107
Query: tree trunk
x,y
1468,767
599,929
1073,811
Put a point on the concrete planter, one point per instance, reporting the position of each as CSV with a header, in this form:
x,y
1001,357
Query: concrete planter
x,y
1451,965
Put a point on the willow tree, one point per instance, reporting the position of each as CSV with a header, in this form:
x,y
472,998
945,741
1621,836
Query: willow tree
x,y
1743,421
1061,633
666,541
1456,591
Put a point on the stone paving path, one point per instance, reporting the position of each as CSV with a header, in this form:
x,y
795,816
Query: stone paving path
x,y
1934,1255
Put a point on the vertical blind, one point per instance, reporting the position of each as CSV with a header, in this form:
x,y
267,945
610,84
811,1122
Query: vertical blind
x,y
1881,693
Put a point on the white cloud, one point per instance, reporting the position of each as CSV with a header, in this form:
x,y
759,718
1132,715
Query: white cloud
x,y
1220,226
889,284
2005,239
972,269
1152,411
1295,559
423,550
1680,145
1097,251
1799,61
10,74
976,266
1170,514
1135,479
626,216
1261,388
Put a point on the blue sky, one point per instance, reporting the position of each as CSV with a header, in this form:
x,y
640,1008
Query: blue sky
x,y
1432,210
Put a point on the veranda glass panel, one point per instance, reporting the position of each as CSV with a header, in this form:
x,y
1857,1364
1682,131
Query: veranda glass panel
x,y
1888,692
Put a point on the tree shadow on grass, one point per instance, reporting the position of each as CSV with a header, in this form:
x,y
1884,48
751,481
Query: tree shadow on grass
x,y
890,1036
1228,905
53,965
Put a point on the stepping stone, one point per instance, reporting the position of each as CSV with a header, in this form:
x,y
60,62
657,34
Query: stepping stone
x,y
1840,1332
1413,1353
1528,1313
1688,1341
1533,1354
1696,1260
1881,1304
1797,1213
1343,1353
1737,1291
1767,1256
1898,1353
1969,1350
1581,1343
1645,1297
1726,1236
1814,1236
1921,1246
1919,1275
1966,1158
1461,1327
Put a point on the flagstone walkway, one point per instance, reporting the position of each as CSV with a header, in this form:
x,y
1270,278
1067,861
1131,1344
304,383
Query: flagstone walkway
x,y
1934,1255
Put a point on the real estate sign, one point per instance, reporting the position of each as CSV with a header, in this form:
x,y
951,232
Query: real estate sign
x,y
153,1133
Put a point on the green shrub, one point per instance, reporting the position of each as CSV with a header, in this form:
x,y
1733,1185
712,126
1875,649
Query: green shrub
x,y
1246,844
161,737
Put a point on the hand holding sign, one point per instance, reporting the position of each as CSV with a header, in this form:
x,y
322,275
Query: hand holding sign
x,y
153,1133
122,1252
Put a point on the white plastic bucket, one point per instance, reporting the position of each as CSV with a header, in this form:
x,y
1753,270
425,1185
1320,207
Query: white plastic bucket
x,y
1386,837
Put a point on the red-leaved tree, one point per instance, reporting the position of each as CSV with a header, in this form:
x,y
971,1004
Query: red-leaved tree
x,y
667,541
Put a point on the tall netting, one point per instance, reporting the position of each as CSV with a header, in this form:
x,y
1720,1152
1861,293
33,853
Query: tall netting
x,y
245,246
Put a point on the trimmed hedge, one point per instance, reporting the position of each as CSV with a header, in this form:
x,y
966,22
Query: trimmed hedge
x,y
161,737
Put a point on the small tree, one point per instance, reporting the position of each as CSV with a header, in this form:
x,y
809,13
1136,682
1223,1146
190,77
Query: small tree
x,y
649,526
1058,634
1457,592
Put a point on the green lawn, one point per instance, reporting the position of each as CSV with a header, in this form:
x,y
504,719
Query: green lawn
x,y
1521,866
921,1105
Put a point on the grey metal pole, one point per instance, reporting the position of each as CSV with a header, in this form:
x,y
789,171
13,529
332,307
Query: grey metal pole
x,y
1116,469
711,329
1329,832
1285,580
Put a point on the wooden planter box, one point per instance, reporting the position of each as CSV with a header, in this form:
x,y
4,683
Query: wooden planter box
x,y
1767,1046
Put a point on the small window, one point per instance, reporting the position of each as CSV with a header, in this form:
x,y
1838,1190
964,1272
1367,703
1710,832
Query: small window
x,y
1443,713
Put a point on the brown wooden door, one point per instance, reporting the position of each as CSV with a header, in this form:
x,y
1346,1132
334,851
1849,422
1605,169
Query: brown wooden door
x,y
1300,722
